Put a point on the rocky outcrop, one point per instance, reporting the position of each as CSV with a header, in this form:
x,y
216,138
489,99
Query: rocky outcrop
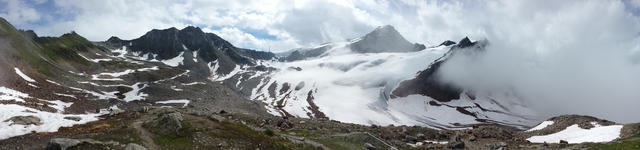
x,y
301,54
447,43
427,83
134,146
167,122
67,143
24,120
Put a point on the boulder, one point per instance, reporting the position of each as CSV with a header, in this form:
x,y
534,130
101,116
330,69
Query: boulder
x,y
495,146
284,123
134,146
143,109
66,143
369,146
74,118
24,120
472,138
168,122
410,139
455,145
62,143
563,142
421,136
171,121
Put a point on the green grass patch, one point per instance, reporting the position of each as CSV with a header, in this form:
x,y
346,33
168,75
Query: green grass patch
x,y
239,134
66,47
183,139
124,135
339,144
630,143
298,132
269,132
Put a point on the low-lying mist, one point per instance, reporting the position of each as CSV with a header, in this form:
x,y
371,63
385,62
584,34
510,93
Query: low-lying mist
x,y
571,59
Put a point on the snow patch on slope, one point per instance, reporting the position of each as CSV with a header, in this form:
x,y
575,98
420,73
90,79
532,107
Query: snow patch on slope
x,y
541,126
24,76
575,134
51,122
180,101
174,62
135,94
10,94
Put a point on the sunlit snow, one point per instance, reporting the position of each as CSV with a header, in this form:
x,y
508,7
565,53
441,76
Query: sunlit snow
x,y
575,134
24,76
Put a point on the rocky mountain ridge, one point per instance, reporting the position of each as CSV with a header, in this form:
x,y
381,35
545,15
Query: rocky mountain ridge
x,y
204,93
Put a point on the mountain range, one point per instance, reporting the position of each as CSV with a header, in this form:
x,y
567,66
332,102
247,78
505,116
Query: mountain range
x,y
172,78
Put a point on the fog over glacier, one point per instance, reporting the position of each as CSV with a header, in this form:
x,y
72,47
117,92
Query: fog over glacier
x,y
578,58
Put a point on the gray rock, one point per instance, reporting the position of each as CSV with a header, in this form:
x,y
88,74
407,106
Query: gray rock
x,y
24,120
455,145
62,143
284,123
472,138
74,118
171,121
217,117
368,146
115,112
496,146
65,143
143,109
502,144
410,139
421,136
168,122
134,146
563,142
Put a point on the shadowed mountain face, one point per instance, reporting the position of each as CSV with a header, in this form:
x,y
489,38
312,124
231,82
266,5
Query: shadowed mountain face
x,y
168,43
171,43
426,82
384,39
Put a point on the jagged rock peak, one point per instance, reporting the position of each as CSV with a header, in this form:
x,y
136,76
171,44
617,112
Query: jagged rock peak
x,y
113,39
447,43
386,30
384,39
465,42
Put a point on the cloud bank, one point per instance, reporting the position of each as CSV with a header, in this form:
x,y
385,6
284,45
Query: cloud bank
x,y
559,57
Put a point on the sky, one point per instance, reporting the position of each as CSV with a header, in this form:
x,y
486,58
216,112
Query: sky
x,y
275,25
579,53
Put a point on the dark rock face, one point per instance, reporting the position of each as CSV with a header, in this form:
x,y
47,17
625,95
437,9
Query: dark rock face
x,y
447,43
426,82
169,43
29,34
384,39
295,55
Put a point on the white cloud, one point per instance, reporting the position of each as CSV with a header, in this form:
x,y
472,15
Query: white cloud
x,y
242,39
17,12
635,3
